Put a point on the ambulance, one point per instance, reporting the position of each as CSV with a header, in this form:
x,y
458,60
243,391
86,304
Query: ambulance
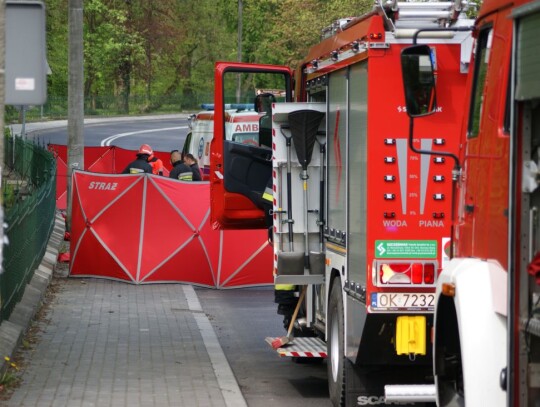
x,y
241,125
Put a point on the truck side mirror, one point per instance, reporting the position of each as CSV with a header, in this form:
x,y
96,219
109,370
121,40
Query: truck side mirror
x,y
418,80
263,104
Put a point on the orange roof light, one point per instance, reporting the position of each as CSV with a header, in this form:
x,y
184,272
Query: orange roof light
x,y
449,289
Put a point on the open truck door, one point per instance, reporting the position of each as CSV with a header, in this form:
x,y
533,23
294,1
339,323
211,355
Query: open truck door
x,y
239,171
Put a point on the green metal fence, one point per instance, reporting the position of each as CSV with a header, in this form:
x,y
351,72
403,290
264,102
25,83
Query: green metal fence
x,y
29,190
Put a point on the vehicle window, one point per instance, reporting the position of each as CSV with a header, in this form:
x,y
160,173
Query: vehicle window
x,y
187,144
246,138
482,53
316,89
508,105
253,91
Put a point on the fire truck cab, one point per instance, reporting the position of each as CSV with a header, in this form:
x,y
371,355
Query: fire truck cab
x,y
361,224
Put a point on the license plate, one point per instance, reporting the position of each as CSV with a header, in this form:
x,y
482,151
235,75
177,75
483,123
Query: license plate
x,y
402,302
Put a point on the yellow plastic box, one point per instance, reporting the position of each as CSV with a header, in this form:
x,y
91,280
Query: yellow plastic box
x,y
411,335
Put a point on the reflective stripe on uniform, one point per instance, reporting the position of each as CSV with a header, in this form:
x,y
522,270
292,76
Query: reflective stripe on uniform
x,y
185,176
267,195
285,287
135,170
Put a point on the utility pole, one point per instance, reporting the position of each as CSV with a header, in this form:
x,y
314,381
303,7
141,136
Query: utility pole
x,y
75,98
239,76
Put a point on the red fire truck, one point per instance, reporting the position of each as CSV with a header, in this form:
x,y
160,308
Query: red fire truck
x,y
487,319
361,225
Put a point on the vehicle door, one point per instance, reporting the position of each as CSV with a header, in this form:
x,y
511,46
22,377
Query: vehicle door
x,y
239,172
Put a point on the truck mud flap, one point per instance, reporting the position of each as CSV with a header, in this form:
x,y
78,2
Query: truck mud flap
x,y
365,385
302,347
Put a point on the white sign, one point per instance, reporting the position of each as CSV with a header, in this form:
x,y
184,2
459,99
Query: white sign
x,y
25,84
402,301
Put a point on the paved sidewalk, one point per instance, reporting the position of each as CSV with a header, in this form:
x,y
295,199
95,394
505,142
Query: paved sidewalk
x,y
108,343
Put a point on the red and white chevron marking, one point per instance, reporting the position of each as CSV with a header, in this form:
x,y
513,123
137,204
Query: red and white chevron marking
x,y
303,347
284,353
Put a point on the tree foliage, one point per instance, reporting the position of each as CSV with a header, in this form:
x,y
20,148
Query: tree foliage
x,y
169,47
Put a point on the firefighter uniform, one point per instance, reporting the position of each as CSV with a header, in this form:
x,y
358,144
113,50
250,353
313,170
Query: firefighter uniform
x,y
140,165
267,201
156,164
285,298
181,171
196,172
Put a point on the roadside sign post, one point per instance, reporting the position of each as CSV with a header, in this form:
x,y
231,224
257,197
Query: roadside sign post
x,y
25,57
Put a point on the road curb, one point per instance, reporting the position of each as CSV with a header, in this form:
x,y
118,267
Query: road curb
x,y
13,329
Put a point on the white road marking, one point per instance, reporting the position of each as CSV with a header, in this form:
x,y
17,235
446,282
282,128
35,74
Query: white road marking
x,y
227,382
107,141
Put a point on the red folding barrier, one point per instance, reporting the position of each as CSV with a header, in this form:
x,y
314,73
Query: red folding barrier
x,y
144,229
104,160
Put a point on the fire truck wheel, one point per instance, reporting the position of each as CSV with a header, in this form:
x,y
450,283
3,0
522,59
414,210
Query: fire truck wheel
x,y
450,379
336,359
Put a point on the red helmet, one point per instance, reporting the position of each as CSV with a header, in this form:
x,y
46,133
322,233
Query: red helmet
x,y
145,149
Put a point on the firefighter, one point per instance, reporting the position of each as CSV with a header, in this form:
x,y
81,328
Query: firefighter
x,y
180,170
140,164
286,299
284,294
191,162
156,164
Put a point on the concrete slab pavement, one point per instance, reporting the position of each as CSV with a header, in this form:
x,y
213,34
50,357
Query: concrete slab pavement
x,y
108,343
13,329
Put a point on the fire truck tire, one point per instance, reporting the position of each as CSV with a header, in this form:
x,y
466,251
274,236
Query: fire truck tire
x,y
335,345
448,364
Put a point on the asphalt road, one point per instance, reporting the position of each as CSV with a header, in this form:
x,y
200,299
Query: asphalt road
x,y
242,318
161,134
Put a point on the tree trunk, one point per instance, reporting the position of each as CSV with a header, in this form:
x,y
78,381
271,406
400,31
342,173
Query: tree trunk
x,y
124,86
